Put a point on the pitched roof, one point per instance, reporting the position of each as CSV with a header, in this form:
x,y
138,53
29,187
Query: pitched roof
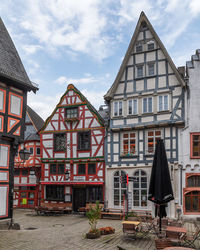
x,y
142,18
83,98
11,66
36,120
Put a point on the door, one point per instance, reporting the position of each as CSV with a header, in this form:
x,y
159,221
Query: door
x,y
79,198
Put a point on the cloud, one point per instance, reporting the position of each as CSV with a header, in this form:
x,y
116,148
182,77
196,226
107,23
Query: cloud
x,y
31,49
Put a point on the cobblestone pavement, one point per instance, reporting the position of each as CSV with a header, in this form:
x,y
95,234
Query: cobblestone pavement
x,y
65,232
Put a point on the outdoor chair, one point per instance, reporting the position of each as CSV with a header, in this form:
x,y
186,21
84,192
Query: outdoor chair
x,y
189,240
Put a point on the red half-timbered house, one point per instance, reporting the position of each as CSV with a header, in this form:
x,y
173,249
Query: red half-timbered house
x,y
27,173
72,145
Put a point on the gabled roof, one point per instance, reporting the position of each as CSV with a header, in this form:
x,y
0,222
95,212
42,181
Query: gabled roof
x,y
83,98
11,66
35,119
142,18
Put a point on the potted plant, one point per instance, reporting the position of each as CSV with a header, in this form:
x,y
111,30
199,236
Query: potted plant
x,y
93,216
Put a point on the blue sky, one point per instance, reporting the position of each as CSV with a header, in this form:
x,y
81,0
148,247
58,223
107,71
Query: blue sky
x,y
84,41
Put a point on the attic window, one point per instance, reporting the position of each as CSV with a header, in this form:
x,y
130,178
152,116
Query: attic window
x,y
150,45
139,48
144,25
71,113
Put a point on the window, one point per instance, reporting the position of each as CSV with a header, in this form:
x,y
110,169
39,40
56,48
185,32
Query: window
x,y
38,151
119,188
152,137
140,189
132,107
139,71
118,108
94,193
195,145
91,168
129,144
59,142
84,140
16,172
55,192
151,69
147,105
150,45
192,201
24,172
71,112
139,48
81,169
57,168
193,181
163,103
31,150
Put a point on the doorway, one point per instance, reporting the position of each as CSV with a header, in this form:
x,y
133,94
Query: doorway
x,y
79,198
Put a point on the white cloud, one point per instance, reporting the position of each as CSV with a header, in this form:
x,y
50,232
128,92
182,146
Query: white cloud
x,y
94,97
31,49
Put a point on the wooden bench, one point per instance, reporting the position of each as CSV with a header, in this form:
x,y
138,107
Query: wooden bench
x,y
88,206
112,213
45,208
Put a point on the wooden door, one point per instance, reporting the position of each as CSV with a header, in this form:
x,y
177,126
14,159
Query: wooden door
x,y
79,198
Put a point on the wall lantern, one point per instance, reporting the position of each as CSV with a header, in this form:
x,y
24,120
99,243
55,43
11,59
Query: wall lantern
x,y
24,154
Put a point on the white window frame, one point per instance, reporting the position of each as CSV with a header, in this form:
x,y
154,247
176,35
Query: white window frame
x,y
163,103
120,188
154,139
118,109
150,97
140,188
129,139
133,106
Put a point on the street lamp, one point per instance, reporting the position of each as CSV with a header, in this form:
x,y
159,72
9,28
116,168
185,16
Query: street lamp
x,y
67,175
24,154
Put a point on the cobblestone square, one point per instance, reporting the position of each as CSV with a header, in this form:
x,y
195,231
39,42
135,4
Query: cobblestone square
x,y
64,232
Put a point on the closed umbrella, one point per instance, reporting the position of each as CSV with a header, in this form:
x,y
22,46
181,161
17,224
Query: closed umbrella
x,y
160,188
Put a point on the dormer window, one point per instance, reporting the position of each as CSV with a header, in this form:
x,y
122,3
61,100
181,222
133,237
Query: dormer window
x,y
71,113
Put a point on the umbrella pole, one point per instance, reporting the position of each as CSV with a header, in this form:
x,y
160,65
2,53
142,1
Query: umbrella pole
x,y
160,222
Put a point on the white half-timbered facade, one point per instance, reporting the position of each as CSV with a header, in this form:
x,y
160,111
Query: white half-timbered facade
x,y
72,142
146,102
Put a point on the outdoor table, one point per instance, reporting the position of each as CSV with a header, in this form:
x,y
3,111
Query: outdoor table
x,y
136,223
175,232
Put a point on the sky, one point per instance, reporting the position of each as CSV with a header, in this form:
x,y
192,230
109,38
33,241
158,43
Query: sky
x,y
83,42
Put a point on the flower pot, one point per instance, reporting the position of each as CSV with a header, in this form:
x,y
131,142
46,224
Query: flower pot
x,y
93,235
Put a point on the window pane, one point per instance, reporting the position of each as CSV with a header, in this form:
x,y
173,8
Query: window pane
x,y
81,169
151,69
135,107
139,71
53,169
115,108
150,46
145,105
150,104
196,145
71,112
139,48
59,142
120,108
91,168
16,172
166,102
84,140
24,172
130,111
160,103
61,169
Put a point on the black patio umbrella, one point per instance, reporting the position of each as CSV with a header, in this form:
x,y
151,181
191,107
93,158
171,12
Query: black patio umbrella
x,y
160,188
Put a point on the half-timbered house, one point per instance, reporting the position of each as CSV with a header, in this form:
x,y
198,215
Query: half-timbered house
x,y
146,102
27,173
14,85
72,144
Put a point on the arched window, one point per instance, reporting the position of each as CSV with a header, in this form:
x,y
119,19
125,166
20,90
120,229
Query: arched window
x,y
140,189
192,201
119,188
193,181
